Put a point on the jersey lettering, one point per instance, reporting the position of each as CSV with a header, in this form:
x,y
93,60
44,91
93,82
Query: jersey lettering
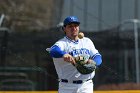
x,y
81,51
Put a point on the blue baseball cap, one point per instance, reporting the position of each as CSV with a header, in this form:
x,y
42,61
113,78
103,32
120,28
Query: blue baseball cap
x,y
71,19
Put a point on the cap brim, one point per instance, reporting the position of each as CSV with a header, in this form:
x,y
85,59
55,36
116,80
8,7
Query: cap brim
x,y
73,23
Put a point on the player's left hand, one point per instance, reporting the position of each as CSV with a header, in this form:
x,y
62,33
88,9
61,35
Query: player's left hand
x,y
84,65
89,61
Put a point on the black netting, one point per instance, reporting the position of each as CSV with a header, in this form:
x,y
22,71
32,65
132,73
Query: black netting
x,y
23,56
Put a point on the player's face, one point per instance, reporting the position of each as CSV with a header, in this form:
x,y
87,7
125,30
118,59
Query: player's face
x,y
72,31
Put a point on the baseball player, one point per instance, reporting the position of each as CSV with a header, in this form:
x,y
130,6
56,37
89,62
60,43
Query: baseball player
x,y
63,53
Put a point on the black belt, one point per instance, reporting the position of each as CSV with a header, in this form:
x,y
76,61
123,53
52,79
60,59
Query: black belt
x,y
75,81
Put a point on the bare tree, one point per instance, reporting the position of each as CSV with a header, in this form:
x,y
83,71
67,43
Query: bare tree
x,y
28,14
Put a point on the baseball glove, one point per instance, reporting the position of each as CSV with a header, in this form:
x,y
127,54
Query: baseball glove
x,y
83,66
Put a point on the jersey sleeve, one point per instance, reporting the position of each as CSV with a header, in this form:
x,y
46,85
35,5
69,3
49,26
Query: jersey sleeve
x,y
98,59
57,50
94,53
93,50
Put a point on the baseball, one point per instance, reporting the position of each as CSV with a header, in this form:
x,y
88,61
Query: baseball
x,y
81,35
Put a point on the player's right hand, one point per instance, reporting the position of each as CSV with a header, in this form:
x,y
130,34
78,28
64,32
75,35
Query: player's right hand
x,y
69,58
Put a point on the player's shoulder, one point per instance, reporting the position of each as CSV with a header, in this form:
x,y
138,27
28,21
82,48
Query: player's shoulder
x,y
62,40
86,39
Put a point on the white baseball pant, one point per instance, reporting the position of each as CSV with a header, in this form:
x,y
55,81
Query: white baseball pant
x,y
68,87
